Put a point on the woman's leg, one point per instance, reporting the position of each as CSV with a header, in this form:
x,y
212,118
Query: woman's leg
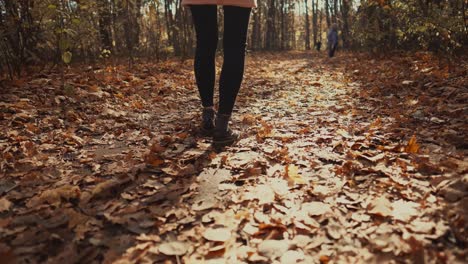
x,y
206,28
236,22
331,51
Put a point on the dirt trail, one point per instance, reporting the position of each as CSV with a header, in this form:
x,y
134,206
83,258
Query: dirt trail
x,y
329,169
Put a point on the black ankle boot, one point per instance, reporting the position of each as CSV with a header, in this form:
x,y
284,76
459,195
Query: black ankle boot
x,y
207,125
222,135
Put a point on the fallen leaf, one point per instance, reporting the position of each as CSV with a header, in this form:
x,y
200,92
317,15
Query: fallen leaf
x,y
316,208
173,248
420,226
263,193
380,206
273,249
248,119
279,186
334,230
4,205
293,176
404,211
54,196
412,146
217,234
292,256
324,259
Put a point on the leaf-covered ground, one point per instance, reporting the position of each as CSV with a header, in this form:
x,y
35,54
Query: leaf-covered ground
x,y
351,160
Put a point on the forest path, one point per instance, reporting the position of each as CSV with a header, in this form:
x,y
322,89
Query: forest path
x,y
333,166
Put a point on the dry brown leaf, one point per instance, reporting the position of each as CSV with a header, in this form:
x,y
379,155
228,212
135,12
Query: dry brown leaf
x,y
173,248
376,124
413,146
420,226
154,160
404,211
292,256
273,249
4,205
104,189
324,259
279,186
265,131
75,218
344,129
335,230
248,119
316,208
380,206
217,234
263,193
54,196
360,217
147,238
250,229
175,170
271,231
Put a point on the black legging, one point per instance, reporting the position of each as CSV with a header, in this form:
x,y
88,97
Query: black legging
x,y
236,21
331,50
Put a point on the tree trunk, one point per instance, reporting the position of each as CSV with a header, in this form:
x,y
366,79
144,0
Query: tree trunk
x,y
320,24
131,13
465,26
20,32
345,29
168,17
271,26
314,20
335,11
327,12
255,38
104,24
282,24
307,26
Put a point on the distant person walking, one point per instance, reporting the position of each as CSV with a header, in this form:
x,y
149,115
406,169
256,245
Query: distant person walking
x,y
236,21
332,40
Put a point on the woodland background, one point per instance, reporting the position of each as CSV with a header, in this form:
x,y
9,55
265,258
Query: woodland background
x,y
54,32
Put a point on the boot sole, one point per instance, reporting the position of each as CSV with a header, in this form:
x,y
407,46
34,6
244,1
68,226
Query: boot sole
x,y
224,143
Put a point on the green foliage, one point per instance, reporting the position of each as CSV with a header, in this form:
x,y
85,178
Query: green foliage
x,y
67,57
105,53
410,25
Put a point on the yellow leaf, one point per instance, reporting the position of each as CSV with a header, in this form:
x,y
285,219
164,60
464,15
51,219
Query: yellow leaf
x,y
137,105
264,132
67,57
293,175
412,146
248,119
244,214
376,124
